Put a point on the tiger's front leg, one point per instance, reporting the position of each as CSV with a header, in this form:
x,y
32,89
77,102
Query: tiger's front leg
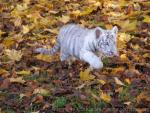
x,y
92,59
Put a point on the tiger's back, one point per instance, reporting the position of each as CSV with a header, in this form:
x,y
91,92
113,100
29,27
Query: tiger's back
x,y
71,38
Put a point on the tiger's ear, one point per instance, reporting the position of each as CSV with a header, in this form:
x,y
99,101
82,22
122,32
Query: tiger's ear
x,y
115,29
97,33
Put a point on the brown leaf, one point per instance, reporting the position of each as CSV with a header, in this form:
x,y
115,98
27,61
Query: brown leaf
x,y
68,108
5,84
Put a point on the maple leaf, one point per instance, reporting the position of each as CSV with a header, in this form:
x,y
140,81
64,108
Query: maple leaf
x,y
8,42
105,97
13,54
85,75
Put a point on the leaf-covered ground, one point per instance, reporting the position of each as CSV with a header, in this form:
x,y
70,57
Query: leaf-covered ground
x,y
32,83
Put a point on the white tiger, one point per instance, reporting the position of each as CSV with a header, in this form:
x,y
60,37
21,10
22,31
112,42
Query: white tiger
x,y
83,43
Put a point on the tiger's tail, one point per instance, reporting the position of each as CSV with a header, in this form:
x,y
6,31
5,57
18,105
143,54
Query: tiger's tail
x,y
50,51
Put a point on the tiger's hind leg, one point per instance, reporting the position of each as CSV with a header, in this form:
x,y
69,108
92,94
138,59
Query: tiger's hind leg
x,y
63,56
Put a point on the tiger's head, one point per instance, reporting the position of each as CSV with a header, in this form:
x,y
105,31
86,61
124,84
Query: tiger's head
x,y
106,41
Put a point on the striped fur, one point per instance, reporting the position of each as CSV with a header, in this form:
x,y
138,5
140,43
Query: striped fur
x,y
83,43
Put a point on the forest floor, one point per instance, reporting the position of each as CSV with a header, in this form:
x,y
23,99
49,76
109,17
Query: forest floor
x,y
35,83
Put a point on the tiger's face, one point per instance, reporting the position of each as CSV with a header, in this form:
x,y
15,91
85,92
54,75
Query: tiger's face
x,y
107,42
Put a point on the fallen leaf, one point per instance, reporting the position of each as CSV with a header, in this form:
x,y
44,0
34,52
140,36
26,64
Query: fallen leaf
x,y
105,97
124,57
46,58
55,31
127,103
21,95
18,22
146,19
8,42
65,19
85,75
117,70
146,55
117,81
141,110
17,80
23,72
143,95
119,90
36,112
21,7
102,82
81,86
5,84
3,71
127,81
13,54
41,91
75,13
25,29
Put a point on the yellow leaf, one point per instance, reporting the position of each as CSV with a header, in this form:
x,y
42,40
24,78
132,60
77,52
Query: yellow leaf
x,y
123,38
8,42
3,71
23,72
41,91
25,29
146,55
76,13
17,80
102,82
146,19
65,19
119,90
127,81
26,1
105,97
118,69
55,31
18,21
123,57
125,25
117,81
46,58
1,32
85,75
141,110
13,54
21,7
136,46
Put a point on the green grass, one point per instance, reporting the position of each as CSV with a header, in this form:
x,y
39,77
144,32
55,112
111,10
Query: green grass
x,y
59,102
125,95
